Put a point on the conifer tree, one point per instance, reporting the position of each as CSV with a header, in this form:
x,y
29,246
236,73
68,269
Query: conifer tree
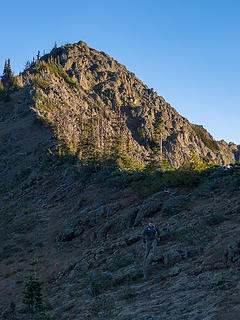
x,y
27,64
7,77
7,72
154,160
38,55
12,311
33,297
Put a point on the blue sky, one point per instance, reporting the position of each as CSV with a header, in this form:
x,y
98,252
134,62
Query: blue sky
x,y
186,50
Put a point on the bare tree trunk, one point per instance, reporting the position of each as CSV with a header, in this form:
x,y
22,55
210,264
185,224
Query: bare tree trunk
x,y
168,157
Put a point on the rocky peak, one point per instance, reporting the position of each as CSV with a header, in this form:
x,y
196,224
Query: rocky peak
x,y
93,84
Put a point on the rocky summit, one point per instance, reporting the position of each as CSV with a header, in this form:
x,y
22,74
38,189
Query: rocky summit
x,y
96,106
89,155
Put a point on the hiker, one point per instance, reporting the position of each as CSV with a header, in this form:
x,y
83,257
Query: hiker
x,y
150,237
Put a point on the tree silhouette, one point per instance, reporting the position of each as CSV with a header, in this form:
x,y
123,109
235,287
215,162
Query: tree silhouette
x,y
8,76
33,297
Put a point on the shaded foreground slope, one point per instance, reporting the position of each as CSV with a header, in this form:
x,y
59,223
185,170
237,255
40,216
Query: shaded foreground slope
x,y
85,225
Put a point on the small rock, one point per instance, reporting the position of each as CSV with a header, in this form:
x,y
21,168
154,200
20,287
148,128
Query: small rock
x,y
84,266
174,271
232,253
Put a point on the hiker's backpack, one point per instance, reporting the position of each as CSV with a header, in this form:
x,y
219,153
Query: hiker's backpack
x,y
150,229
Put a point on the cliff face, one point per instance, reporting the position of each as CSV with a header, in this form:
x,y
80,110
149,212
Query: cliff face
x,y
92,100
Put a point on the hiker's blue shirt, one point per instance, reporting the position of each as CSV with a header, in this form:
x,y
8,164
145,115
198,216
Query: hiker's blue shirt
x,y
150,233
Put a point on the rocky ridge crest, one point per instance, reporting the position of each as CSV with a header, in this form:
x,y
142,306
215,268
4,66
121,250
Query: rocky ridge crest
x,y
92,100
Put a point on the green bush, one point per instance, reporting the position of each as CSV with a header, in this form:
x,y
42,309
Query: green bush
x,y
153,182
4,96
218,178
119,179
213,219
39,82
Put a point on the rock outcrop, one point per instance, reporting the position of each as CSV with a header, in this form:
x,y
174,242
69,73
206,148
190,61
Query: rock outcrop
x,y
90,99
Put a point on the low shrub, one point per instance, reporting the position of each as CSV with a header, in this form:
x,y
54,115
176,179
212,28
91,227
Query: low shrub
x,y
102,307
4,96
213,219
151,183
99,282
39,82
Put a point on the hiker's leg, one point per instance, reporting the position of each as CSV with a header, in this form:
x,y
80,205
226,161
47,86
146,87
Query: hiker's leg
x,y
148,248
154,244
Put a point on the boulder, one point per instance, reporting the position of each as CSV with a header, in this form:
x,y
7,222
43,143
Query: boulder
x,y
133,239
100,281
232,253
130,274
112,209
150,206
83,266
128,219
174,205
103,230
117,262
67,235
171,257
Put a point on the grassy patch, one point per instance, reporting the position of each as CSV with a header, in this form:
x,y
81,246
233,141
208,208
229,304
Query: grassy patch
x,y
210,143
39,82
57,69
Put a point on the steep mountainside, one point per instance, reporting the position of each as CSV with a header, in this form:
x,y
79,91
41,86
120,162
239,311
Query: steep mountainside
x,y
98,108
85,222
